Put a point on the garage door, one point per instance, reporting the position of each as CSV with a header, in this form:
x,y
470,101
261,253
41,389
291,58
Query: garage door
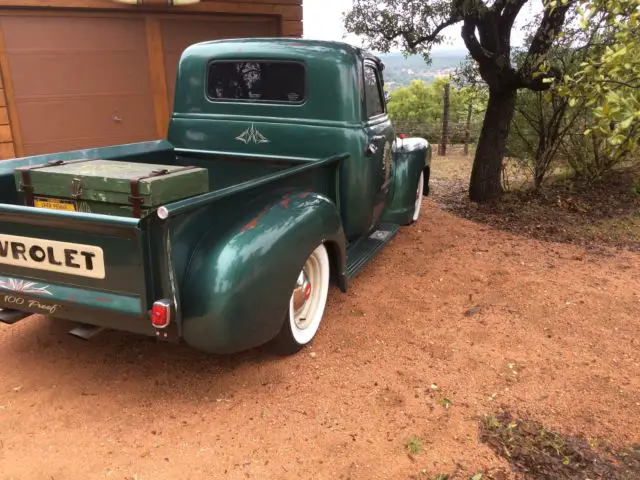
x,y
178,34
79,81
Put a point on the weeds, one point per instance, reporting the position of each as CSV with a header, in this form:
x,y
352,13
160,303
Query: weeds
x,y
445,402
541,453
591,215
441,476
414,445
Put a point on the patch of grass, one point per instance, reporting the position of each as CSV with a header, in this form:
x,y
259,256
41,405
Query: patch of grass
x,y
542,454
441,476
445,402
414,445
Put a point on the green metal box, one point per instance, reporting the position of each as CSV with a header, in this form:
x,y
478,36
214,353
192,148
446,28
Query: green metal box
x,y
108,187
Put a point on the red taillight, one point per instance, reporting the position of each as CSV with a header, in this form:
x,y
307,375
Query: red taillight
x,y
161,314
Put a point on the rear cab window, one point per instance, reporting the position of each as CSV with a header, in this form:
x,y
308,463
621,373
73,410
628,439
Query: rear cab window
x,y
257,81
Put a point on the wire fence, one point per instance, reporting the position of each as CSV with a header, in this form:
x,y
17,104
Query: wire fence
x,y
457,133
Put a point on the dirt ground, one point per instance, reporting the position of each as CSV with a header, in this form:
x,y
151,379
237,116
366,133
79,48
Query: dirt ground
x,y
451,322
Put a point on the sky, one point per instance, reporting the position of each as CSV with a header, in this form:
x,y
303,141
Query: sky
x,y
323,21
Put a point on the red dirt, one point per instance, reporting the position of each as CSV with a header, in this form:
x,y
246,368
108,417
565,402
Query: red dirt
x,y
553,336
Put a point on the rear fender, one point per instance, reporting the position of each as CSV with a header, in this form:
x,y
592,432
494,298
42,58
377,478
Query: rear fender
x,y
411,156
238,285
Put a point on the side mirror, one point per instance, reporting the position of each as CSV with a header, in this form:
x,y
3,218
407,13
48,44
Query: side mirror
x,y
387,97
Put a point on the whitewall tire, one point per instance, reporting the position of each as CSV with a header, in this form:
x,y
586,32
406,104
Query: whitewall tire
x,y
419,195
306,304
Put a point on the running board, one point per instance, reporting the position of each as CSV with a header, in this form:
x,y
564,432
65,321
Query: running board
x,y
86,332
361,252
10,317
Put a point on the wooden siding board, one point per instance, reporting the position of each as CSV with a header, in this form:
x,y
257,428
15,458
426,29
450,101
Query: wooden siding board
x,y
291,28
7,151
287,10
7,99
157,74
96,91
5,133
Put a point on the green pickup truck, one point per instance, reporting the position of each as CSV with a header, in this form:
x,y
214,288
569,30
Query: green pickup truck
x,y
292,179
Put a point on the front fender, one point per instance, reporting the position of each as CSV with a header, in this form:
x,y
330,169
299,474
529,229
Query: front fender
x,y
238,285
411,156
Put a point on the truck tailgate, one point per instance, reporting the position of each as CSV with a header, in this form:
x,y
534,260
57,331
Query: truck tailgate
x,y
72,264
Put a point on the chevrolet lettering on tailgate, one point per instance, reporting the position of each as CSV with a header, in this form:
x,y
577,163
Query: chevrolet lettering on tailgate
x,y
60,257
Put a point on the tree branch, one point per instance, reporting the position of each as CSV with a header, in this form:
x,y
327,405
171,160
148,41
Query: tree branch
x,y
478,53
489,31
509,14
634,86
499,5
414,42
548,30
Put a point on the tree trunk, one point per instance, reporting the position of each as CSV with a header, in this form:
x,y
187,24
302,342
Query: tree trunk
x,y
485,182
540,165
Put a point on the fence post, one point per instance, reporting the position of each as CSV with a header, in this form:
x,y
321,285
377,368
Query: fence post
x,y
442,149
467,133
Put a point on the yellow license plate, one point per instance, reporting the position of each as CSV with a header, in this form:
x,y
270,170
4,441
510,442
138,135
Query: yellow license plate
x,y
55,204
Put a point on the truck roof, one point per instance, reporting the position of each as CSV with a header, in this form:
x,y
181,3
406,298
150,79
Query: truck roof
x,y
331,76
296,48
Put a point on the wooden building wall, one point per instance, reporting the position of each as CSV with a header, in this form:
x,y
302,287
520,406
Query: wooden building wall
x,y
6,137
290,11
286,15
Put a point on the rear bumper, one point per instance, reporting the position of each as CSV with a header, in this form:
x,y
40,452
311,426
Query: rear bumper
x,y
109,310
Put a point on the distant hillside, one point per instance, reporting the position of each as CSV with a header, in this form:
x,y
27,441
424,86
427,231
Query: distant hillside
x,y
400,71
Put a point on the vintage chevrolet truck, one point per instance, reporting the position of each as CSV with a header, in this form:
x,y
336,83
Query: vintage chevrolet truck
x,y
297,180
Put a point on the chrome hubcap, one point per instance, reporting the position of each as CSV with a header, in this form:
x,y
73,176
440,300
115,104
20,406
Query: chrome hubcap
x,y
309,296
301,295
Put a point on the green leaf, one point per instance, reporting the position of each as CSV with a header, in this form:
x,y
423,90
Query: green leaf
x,y
617,140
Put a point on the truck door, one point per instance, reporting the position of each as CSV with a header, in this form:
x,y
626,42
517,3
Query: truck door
x,y
379,133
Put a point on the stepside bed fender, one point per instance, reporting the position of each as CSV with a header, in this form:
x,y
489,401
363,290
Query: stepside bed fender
x,y
237,286
411,156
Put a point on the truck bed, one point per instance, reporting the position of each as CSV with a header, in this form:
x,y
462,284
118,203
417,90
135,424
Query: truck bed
x,y
225,169
108,270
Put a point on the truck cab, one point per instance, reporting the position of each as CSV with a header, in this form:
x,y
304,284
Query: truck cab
x,y
307,182
294,98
